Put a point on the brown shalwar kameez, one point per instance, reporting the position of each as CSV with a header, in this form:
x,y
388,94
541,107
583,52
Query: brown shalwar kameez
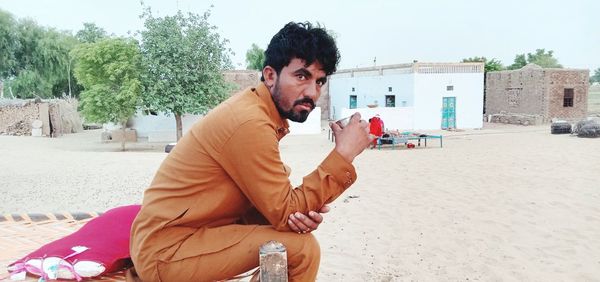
x,y
201,216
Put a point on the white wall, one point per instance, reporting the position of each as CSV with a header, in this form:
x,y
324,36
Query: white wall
x,y
161,128
312,125
393,118
431,88
369,89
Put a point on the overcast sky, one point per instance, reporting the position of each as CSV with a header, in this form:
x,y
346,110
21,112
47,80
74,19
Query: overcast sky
x,y
393,32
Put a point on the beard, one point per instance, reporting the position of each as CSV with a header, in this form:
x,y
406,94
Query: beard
x,y
290,113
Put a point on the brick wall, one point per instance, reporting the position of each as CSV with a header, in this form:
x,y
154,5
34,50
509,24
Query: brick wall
x,y
557,80
519,91
242,79
532,90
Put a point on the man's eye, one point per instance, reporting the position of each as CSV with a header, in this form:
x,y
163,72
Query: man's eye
x,y
320,83
301,77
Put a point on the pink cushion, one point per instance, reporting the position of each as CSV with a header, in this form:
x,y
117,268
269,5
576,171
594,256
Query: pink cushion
x,y
106,236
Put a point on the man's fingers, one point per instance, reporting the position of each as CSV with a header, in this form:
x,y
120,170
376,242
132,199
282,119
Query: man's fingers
x,y
335,127
355,116
325,209
316,217
301,227
293,225
305,223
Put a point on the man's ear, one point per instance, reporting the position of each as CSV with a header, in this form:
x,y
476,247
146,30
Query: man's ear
x,y
270,76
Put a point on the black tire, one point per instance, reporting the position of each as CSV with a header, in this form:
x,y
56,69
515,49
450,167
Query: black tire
x,y
581,124
169,147
560,128
591,130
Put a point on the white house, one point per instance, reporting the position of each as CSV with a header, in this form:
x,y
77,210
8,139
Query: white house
x,y
411,96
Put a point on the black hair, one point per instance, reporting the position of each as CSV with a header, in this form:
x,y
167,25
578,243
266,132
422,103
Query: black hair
x,y
302,41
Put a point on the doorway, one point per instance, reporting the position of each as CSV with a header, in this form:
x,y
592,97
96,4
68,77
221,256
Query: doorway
x,y
448,112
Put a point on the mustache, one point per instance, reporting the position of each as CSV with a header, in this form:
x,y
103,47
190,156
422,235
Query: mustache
x,y
305,100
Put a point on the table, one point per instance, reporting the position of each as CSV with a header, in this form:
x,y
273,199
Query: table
x,y
403,139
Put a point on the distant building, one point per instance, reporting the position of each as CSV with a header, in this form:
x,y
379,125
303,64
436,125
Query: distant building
x,y
411,96
594,100
242,79
536,95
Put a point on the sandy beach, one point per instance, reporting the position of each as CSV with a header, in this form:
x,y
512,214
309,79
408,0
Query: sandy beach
x,y
503,203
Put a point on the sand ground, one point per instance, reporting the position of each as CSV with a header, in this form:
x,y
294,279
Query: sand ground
x,y
504,203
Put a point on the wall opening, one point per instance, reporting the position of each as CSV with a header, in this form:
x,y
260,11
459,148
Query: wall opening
x,y
353,101
568,98
390,101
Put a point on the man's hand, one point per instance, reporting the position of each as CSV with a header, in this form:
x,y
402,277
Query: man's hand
x,y
354,138
301,223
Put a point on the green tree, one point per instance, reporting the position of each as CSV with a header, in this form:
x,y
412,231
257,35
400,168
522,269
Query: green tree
x,y
543,59
33,63
491,65
540,57
40,61
596,76
90,33
519,62
9,44
255,58
109,70
183,58
56,53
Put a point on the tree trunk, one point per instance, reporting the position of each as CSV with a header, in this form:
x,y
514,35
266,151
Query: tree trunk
x,y
179,126
69,78
123,127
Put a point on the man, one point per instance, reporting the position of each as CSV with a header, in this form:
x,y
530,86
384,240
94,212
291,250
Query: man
x,y
223,191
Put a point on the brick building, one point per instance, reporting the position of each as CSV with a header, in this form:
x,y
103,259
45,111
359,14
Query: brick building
x,y
242,79
533,95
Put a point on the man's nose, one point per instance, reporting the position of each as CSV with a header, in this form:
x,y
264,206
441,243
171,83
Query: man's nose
x,y
313,91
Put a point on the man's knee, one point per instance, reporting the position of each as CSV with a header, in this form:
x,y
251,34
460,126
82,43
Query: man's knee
x,y
312,245
304,257
307,247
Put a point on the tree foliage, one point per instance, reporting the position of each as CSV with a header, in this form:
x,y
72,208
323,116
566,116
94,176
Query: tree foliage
x,y
9,44
90,33
491,65
255,58
540,57
183,57
109,70
34,61
596,77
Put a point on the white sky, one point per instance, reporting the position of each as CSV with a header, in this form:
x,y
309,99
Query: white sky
x,y
392,31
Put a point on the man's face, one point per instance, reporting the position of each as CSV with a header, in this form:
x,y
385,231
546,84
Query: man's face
x,y
297,88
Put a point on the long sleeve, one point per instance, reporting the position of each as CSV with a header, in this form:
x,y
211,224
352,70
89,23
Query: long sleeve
x,y
251,157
